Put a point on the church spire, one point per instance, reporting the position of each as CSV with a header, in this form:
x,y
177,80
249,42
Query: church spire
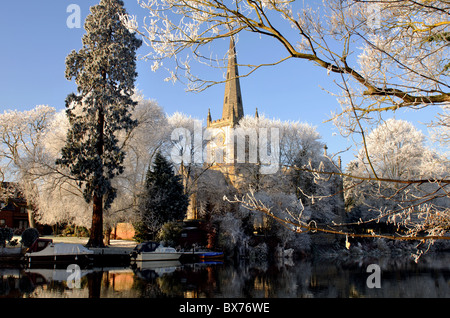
x,y
232,104
209,119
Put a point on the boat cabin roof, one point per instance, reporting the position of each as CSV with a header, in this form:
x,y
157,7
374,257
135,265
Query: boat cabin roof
x,y
147,247
39,245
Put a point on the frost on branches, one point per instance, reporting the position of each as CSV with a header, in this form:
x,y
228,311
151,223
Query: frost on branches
x,y
21,151
397,50
400,183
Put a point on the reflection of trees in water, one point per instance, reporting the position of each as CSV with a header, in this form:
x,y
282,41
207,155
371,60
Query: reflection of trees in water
x,y
320,278
430,277
400,277
261,280
5,285
148,284
95,284
22,284
185,281
16,285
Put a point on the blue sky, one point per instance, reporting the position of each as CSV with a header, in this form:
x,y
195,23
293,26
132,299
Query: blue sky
x,y
36,40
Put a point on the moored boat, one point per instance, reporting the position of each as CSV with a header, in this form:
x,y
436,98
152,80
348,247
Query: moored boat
x,y
47,252
152,251
210,255
202,256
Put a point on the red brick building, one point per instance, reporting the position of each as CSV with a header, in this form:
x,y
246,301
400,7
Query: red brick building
x,y
13,207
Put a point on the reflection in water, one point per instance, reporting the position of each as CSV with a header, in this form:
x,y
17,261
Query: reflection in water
x,y
320,278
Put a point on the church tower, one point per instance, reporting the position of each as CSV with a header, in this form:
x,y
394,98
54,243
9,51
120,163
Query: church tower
x,y
223,149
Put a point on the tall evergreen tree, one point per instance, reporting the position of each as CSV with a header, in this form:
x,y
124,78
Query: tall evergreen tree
x,y
104,71
164,199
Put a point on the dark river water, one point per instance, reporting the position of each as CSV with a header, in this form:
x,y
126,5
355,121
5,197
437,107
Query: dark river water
x,y
317,278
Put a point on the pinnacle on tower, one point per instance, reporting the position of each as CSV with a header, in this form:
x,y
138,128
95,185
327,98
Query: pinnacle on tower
x,y
209,118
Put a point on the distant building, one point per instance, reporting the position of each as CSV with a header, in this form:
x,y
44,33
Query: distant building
x,y
123,231
13,207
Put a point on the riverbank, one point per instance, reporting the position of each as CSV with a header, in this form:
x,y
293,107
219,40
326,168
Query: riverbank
x,y
84,240
118,253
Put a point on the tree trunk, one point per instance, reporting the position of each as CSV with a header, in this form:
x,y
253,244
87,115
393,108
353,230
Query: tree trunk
x,y
95,284
96,234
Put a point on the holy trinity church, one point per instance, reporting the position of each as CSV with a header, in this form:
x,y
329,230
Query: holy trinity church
x,y
225,172
230,175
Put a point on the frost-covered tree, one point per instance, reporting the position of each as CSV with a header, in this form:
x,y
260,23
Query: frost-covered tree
x,y
403,193
441,129
61,200
301,159
397,152
21,150
297,140
104,71
296,196
185,148
163,199
31,142
141,145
